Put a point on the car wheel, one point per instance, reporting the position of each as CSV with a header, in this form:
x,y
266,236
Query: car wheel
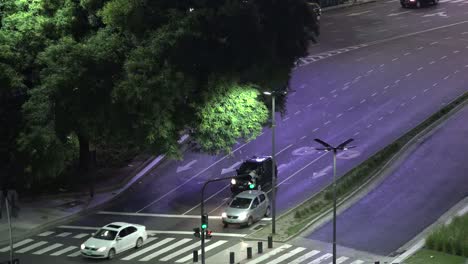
x,y
250,221
268,211
111,254
139,243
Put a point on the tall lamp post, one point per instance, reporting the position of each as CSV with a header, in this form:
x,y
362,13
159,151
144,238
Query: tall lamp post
x,y
328,147
273,95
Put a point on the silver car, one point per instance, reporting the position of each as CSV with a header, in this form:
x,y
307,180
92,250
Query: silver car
x,y
246,208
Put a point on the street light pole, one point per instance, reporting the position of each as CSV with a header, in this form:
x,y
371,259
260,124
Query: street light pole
x,y
328,147
273,166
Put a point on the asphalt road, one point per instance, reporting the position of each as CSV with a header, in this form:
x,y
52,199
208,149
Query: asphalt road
x,y
372,92
423,187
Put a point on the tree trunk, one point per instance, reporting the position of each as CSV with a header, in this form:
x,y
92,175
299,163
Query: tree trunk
x,y
84,153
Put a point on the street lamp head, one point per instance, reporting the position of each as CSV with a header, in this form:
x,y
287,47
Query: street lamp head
x,y
343,145
267,92
323,143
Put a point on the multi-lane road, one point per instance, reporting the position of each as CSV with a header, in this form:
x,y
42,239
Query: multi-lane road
x,y
377,72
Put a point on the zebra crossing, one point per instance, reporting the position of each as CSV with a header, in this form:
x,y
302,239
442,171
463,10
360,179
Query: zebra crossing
x,y
170,249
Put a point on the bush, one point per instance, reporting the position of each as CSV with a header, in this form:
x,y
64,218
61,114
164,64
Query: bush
x,y
451,239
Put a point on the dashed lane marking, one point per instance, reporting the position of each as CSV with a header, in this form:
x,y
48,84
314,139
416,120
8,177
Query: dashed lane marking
x,y
47,249
81,235
363,101
46,233
17,244
420,68
62,251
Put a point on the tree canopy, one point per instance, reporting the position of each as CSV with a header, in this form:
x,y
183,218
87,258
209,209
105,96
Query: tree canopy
x,y
96,72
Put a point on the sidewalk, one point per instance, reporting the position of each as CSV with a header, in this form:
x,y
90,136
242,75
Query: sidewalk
x,y
44,212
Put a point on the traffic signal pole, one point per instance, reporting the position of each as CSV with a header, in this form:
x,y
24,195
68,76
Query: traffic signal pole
x,y
202,210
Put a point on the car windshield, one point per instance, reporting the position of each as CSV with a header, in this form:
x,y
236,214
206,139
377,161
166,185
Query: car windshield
x,y
247,167
241,203
105,234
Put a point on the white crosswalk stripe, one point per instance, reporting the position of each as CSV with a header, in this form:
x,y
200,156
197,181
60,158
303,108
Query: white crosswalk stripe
x,y
305,257
81,235
208,248
47,233
321,258
65,250
166,249
64,234
76,254
357,262
287,255
270,254
31,247
340,260
47,249
143,251
181,251
18,244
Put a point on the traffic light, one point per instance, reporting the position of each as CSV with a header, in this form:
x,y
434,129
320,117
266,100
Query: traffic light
x,y
204,221
251,185
196,232
208,234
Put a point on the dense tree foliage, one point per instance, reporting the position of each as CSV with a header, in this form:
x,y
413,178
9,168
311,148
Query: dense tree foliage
x,y
95,72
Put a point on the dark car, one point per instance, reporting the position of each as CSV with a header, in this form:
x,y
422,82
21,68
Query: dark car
x,y
257,172
417,3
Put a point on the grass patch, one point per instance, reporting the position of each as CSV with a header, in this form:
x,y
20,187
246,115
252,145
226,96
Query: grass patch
x,y
294,221
426,256
452,238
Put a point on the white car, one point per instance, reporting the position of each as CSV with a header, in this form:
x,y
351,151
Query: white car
x,y
246,207
113,239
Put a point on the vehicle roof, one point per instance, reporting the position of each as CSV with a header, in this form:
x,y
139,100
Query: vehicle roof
x,y
249,194
258,159
121,225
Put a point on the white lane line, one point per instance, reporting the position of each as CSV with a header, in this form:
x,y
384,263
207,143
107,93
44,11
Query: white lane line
x,y
407,53
164,231
207,199
369,126
347,84
425,90
309,105
31,247
435,84
297,172
357,262
81,235
351,108
76,254
154,215
420,48
286,118
339,115
270,254
380,118
340,260
146,249
17,244
396,14
394,59
420,68
374,94
64,234
397,81
287,255
47,249
321,259
345,88
391,112
191,178
328,122
166,249
355,134
456,51
464,33
414,97
446,77
443,57
334,91
304,257
432,62
298,112
208,248
381,65
321,98
315,129
466,66
182,251
456,71
386,87
303,137
363,101
409,74
65,250
46,233
290,145
403,104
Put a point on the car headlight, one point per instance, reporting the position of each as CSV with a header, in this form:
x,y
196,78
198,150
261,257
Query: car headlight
x,y
82,246
224,215
233,181
101,249
242,216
